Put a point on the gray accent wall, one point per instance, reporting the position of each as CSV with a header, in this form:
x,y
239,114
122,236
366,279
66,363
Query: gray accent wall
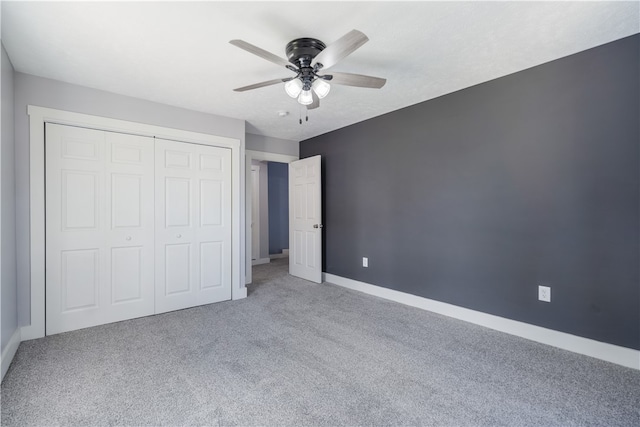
x,y
32,90
8,283
477,197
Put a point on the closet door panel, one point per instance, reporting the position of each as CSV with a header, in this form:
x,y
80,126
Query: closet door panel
x,y
193,225
75,227
99,227
174,226
130,218
214,223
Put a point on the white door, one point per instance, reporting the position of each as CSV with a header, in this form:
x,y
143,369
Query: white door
x,y
99,227
255,212
193,225
305,219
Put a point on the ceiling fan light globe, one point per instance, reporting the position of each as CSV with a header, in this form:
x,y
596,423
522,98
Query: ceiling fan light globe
x,y
305,98
293,87
321,88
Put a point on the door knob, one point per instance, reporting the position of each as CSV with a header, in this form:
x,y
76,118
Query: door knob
x,y
179,236
317,225
128,237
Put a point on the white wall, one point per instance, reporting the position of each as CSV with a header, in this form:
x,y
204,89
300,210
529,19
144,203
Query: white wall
x,y
32,90
8,290
272,145
264,208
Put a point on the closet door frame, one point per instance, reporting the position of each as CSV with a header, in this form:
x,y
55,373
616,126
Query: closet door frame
x,y
38,117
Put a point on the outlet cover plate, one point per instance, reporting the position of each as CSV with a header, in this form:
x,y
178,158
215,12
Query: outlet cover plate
x,y
365,261
544,293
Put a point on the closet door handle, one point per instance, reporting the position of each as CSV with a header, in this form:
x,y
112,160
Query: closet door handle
x,y
179,236
128,238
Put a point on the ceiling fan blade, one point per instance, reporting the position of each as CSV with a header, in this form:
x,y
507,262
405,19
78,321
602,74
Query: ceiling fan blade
x,y
260,52
261,84
358,80
344,46
316,101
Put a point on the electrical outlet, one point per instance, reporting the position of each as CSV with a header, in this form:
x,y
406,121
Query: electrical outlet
x,y
365,261
544,293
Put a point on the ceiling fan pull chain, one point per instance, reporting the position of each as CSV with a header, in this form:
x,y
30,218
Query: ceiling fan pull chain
x,y
306,114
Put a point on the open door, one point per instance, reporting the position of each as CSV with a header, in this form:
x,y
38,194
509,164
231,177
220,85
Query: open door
x,y
305,219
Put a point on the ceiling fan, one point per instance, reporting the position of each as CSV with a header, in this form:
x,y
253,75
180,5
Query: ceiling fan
x,y
309,57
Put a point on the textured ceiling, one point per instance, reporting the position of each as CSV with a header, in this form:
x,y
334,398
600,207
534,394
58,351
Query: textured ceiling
x,y
178,53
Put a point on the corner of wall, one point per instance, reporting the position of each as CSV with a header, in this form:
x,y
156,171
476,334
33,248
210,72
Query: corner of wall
x,y
9,352
8,282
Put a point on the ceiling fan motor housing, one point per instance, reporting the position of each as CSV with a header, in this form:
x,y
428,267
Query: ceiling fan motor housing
x,y
300,52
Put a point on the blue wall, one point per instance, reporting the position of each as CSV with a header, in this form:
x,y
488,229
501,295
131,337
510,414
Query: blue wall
x,y
278,207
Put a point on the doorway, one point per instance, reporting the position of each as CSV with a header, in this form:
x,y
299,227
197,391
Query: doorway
x,y
266,251
269,211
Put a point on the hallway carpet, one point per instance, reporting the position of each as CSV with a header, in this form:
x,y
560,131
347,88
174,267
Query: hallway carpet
x,y
299,353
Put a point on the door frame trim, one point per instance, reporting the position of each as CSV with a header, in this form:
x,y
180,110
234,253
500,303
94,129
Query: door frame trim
x,y
261,156
255,222
38,116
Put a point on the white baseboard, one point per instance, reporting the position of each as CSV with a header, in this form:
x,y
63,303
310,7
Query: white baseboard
x,y
611,353
10,351
31,332
260,261
284,254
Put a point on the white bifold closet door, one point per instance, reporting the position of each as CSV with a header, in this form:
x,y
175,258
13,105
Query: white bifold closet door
x,y
99,227
134,226
193,225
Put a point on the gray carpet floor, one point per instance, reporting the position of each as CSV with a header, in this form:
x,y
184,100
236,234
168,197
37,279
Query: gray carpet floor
x,y
298,353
